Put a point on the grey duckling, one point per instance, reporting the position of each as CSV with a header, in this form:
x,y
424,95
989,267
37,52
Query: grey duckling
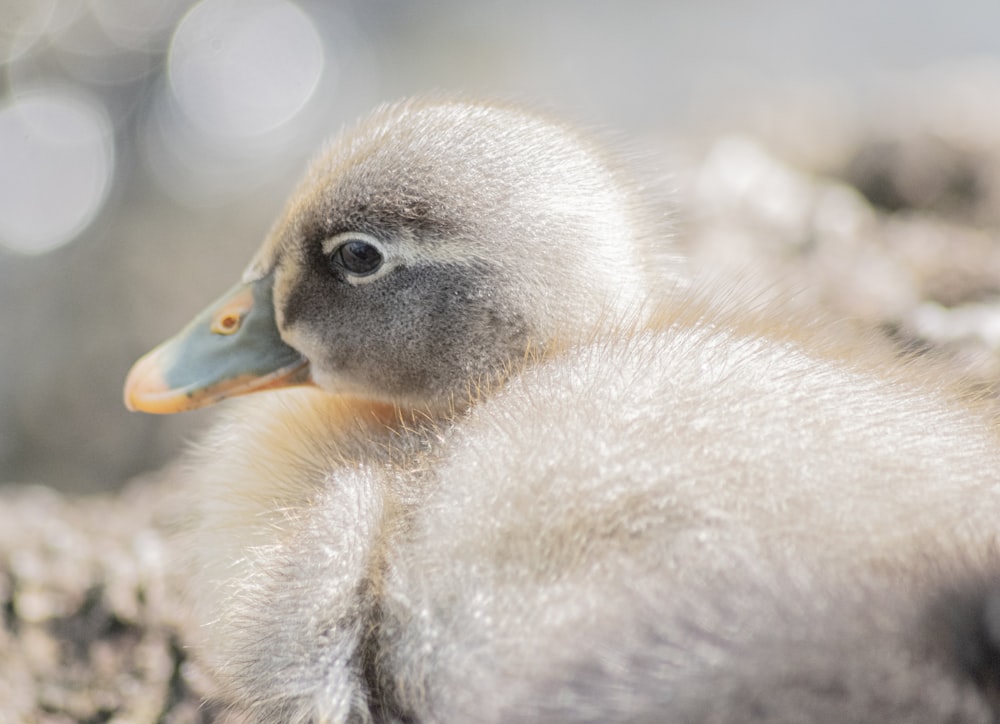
x,y
544,477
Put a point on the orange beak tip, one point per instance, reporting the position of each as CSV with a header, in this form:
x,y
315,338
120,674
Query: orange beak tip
x,y
146,389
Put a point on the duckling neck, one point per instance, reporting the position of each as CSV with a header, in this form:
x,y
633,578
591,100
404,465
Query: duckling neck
x,y
297,496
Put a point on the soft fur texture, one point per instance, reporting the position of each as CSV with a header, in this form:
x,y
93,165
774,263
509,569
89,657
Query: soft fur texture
x,y
582,491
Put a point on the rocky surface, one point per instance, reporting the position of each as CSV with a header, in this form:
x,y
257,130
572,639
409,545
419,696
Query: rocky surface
x,y
893,220
91,631
886,213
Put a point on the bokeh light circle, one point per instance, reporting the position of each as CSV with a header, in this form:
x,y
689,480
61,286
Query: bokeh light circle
x,y
243,68
58,166
24,23
141,25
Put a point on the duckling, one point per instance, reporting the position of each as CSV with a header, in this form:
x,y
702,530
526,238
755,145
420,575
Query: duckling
x,y
537,451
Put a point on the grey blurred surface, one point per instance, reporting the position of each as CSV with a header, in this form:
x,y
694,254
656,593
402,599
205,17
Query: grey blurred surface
x,y
183,215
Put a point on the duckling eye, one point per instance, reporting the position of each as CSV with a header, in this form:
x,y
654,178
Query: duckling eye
x,y
357,257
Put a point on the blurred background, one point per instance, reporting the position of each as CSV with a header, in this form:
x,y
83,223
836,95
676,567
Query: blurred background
x,y
146,146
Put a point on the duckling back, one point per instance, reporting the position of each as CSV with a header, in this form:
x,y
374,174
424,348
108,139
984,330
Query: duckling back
x,y
586,513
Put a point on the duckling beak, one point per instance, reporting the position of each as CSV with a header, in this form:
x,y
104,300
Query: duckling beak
x,y
231,348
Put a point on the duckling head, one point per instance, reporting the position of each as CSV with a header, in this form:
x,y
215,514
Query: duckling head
x,y
426,249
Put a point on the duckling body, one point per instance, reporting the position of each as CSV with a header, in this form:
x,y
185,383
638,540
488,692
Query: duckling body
x,y
545,477
485,586
779,483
